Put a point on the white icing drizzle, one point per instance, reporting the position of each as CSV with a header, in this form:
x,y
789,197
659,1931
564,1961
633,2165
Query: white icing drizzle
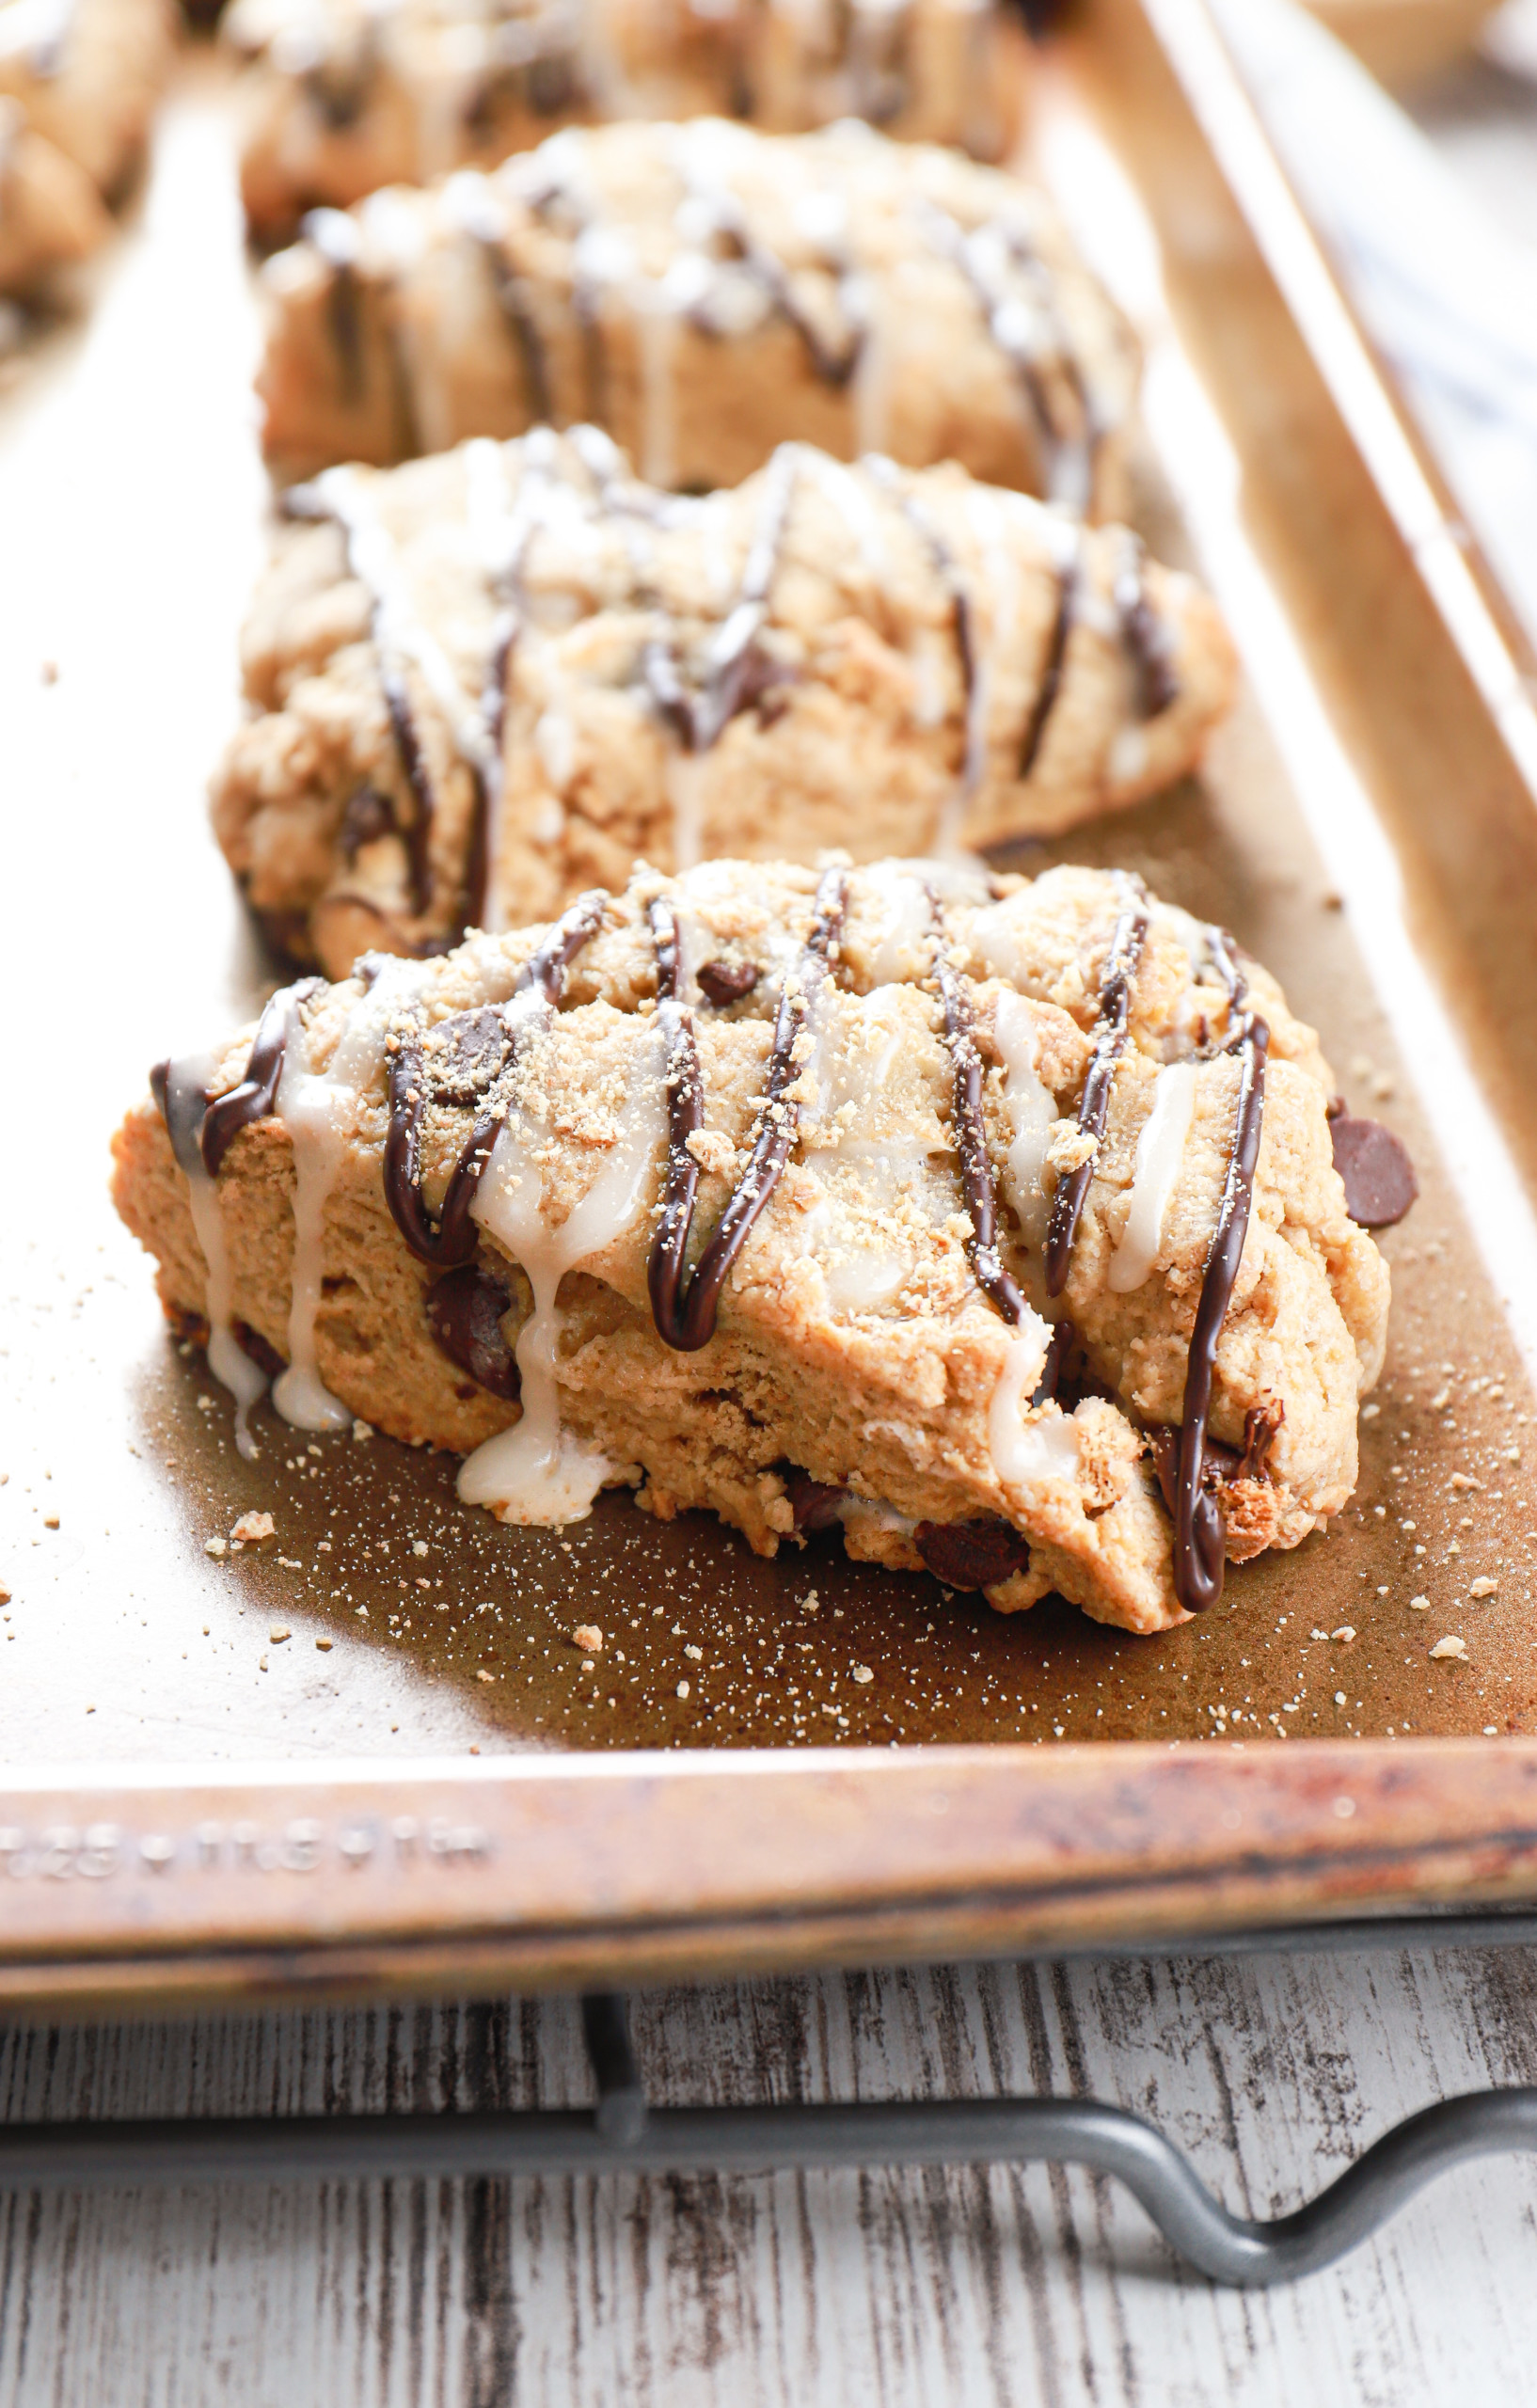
x,y
537,1471
1028,1452
686,776
185,1080
1032,1110
904,945
319,1109
1160,1150
656,334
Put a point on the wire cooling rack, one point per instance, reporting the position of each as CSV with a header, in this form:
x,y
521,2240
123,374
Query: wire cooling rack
x,y
622,2131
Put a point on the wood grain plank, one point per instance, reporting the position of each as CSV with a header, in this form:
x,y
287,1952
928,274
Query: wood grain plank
x,y
884,2287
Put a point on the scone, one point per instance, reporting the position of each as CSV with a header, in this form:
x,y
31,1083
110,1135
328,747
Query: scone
x,y
704,292
50,215
344,96
485,681
86,74
993,1223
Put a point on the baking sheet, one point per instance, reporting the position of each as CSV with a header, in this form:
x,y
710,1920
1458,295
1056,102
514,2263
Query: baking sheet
x,y
131,501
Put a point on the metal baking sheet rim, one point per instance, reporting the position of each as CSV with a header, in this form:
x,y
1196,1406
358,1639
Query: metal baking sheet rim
x,y
143,1889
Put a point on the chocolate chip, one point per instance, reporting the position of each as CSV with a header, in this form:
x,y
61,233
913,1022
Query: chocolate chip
x,y
1380,1183
369,815
463,1314
972,1555
727,982
814,1505
464,1055
1220,1463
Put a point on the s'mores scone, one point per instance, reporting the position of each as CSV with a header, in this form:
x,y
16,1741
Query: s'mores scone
x,y
344,96
482,682
995,1224
87,75
50,215
704,292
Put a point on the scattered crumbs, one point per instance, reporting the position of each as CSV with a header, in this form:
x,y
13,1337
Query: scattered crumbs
x,y
1419,1604
1345,1632
1369,1412
323,1645
1451,1650
260,1663
279,1632
1383,1591
1465,1479
216,1547
291,1563
1483,1586
683,1688
251,1528
50,1521
861,1674
588,1637
419,1547
809,1602
1340,1697
480,1677
1491,1730
365,1429
695,1655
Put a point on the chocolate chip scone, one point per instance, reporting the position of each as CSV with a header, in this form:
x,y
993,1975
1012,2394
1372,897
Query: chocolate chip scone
x,y
993,1221
705,292
86,74
50,212
344,96
481,682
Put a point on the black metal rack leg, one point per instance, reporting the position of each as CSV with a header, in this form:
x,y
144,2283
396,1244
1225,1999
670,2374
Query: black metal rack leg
x,y
624,2135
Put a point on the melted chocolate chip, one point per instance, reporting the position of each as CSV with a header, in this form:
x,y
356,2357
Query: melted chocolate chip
x,y
972,1555
369,815
463,1314
465,1054
1221,1465
726,982
814,1505
1380,1183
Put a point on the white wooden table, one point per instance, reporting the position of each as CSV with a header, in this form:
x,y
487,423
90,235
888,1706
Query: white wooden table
x,y
854,2287
890,2288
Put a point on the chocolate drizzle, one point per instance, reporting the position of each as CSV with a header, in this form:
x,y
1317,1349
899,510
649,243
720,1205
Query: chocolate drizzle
x,y
324,500
1068,452
887,474
1143,632
256,1095
1199,1534
684,1304
833,367
1055,660
453,1238
737,668
334,236
1111,1030
970,1134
